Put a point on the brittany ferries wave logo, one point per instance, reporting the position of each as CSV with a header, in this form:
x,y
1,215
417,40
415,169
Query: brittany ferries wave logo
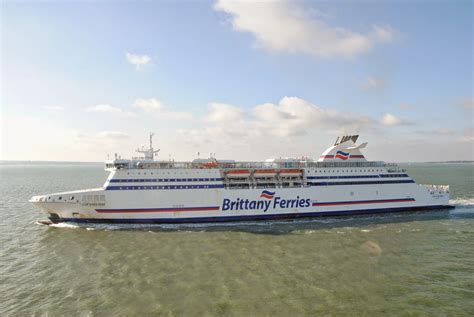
x,y
342,155
270,200
267,194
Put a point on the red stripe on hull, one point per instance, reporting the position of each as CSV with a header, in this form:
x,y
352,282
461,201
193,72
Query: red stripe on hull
x,y
383,201
157,210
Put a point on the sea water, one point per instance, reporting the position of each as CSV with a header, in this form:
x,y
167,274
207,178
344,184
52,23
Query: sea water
x,y
411,264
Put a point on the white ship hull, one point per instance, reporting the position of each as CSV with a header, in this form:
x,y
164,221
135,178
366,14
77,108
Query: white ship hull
x,y
172,202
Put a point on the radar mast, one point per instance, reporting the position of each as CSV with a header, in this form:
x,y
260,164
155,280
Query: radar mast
x,y
150,153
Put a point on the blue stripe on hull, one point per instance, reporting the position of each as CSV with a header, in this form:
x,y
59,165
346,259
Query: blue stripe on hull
x,y
253,217
310,184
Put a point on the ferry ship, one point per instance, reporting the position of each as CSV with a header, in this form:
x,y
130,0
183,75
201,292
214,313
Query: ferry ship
x,y
340,182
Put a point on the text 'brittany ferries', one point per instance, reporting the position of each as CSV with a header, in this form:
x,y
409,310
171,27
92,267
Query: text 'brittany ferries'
x,y
274,202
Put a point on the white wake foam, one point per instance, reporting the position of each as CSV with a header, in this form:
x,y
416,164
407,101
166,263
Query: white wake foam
x,y
65,225
462,202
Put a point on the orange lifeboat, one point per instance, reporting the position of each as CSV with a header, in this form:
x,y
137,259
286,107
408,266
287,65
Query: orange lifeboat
x,y
238,173
210,164
291,172
265,173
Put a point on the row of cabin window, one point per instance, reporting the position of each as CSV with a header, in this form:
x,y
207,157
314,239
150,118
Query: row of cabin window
x,y
268,185
154,180
169,173
314,171
394,175
360,183
164,187
345,171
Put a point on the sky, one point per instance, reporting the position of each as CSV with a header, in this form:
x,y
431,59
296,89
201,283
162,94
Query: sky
x,y
81,80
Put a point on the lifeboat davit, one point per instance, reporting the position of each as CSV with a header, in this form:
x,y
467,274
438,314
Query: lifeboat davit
x,y
238,173
265,173
291,172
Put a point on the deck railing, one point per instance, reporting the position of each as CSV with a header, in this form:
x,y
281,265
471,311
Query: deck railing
x,y
252,165
436,189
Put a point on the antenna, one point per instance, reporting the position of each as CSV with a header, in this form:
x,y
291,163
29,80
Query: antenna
x,y
150,153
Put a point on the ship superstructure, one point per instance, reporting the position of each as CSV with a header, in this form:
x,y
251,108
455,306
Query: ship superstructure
x,y
341,182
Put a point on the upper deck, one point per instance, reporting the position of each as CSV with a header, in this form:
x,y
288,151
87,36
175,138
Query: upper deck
x,y
138,164
344,153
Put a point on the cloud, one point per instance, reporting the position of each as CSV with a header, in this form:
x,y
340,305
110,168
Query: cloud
x,y
289,27
223,113
468,135
54,108
374,83
106,108
149,104
389,119
138,60
383,33
295,116
291,126
438,132
157,108
468,103
286,120
113,135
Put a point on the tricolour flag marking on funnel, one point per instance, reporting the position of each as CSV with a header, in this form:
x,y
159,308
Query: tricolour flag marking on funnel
x,y
342,155
267,194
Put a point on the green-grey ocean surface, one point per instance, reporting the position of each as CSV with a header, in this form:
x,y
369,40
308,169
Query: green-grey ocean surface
x,y
405,264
